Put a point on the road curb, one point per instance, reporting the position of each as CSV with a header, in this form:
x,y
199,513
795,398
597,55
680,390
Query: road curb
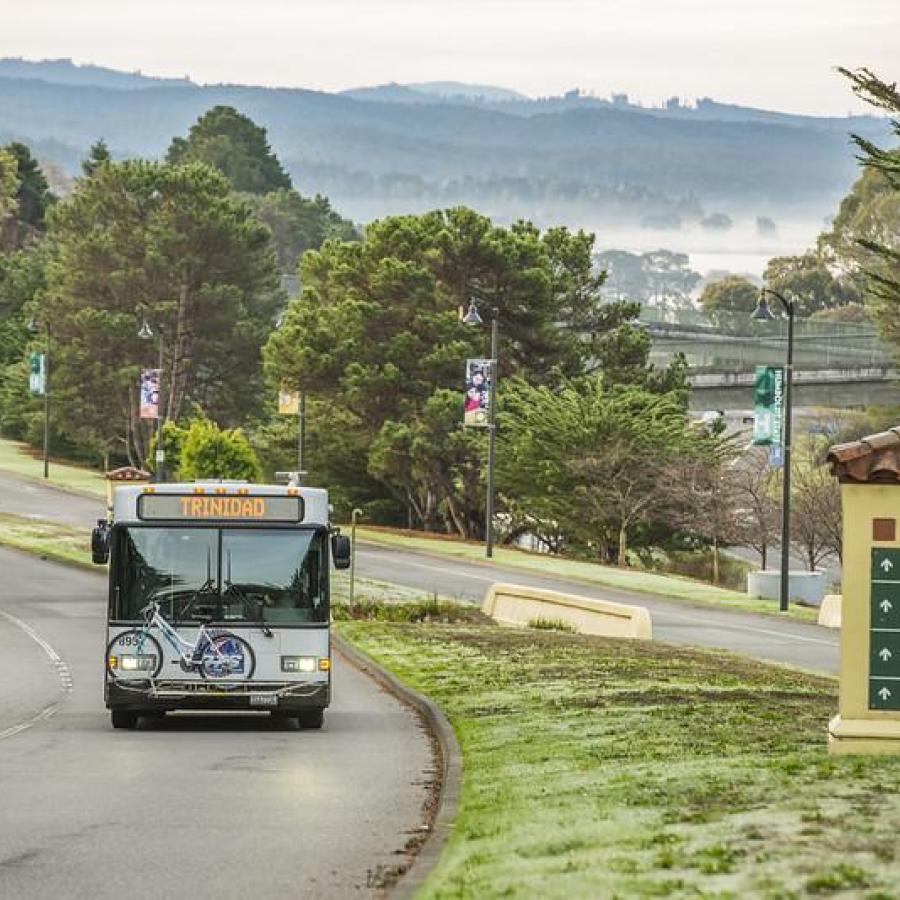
x,y
450,765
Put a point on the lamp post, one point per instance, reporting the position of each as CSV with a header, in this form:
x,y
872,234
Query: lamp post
x,y
34,328
147,333
762,313
354,517
472,317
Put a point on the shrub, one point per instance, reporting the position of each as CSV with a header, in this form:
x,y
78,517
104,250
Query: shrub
x,y
210,452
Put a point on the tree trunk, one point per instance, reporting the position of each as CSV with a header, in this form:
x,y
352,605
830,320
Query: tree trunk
x,y
458,522
764,554
623,546
715,561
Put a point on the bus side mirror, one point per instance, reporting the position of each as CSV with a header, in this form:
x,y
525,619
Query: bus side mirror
x,y
100,543
340,551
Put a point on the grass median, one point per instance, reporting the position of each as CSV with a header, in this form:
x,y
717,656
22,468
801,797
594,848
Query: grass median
x,y
633,580
49,540
20,459
600,768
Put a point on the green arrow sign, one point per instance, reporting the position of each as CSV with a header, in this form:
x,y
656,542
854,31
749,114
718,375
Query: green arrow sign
x,y
884,630
885,565
884,694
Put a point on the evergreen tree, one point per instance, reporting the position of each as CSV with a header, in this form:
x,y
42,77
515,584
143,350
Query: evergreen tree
x,y
173,246
33,195
875,224
97,156
236,146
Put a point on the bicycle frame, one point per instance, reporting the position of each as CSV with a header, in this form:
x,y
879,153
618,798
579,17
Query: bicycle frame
x,y
185,649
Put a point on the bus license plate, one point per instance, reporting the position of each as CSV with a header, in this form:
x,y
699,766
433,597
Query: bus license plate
x,y
264,700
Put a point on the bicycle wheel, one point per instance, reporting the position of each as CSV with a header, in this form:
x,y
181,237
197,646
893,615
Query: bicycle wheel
x,y
137,655
226,657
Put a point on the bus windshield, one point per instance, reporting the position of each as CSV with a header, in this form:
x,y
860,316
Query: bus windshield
x,y
253,575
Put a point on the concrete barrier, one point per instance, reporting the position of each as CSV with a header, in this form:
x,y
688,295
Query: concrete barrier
x,y
830,611
516,604
803,587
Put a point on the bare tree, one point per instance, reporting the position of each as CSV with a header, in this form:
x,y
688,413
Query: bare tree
x,y
815,507
704,498
759,511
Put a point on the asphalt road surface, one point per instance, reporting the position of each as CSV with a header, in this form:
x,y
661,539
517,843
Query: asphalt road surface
x,y
192,806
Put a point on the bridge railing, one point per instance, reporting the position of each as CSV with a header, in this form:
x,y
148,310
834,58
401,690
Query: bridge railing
x,y
733,341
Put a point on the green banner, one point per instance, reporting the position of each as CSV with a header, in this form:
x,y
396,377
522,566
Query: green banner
x,y
37,374
768,406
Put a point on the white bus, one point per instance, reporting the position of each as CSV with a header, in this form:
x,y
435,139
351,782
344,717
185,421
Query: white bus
x,y
218,599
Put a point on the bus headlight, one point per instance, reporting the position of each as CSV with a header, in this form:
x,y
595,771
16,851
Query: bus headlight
x,y
137,663
298,664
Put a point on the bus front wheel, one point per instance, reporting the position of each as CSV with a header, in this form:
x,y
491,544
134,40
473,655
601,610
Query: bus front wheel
x,y
123,718
311,718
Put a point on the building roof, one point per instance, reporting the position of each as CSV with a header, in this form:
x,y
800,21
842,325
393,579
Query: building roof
x,y
873,460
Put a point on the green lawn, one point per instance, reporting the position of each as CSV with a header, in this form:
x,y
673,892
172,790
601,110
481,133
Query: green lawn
x,y
48,540
668,586
20,459
601,768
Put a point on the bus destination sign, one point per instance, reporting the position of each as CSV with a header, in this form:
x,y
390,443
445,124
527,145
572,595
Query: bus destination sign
x,y
210,507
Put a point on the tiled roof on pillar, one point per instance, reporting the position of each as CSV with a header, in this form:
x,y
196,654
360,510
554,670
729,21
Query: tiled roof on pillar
x,y
873,460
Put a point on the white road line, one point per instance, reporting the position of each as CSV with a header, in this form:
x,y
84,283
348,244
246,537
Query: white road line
x,y
694,620
62,670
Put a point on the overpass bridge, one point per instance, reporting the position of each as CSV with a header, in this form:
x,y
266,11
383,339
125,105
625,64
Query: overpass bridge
x,y
836,365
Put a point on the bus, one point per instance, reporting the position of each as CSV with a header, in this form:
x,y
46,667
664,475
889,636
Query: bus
x,y
218,599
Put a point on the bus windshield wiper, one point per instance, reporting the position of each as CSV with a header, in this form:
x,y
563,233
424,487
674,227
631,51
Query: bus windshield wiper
x,y
245,600
206,588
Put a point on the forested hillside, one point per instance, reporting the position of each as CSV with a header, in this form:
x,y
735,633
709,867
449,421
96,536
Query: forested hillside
x,y
611,160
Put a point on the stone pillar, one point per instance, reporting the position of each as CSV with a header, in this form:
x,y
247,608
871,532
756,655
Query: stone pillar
x,y
868,720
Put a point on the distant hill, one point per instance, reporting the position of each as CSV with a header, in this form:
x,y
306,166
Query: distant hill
x,y
431,91
64,71
572,158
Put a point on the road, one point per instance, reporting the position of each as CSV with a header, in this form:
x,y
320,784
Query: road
x,y
765,637
197,806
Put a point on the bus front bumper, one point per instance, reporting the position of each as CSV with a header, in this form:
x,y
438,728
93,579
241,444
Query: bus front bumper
x,y
159,696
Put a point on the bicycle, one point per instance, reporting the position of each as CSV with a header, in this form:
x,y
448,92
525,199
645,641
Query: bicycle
x,y
214,654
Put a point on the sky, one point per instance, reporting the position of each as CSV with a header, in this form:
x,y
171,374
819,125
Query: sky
x,y
776,54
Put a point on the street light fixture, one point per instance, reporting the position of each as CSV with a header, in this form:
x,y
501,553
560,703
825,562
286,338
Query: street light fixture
x,y
474,318
762,313
146,333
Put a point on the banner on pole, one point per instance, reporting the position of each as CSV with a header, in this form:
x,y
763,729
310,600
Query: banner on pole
x,y
776,456
37,374
288,402
477,405
150,394
768,406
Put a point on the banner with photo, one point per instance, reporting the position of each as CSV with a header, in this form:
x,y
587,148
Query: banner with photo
x,y
477,406
37,374
288,402
768,406
150,394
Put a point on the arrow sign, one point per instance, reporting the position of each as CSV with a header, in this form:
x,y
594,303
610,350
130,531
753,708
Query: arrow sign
x,y
884,693
885,654
886,565
886,606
